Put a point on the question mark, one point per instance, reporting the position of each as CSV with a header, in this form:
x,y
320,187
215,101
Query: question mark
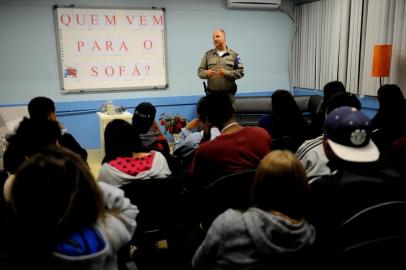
x,y
147,67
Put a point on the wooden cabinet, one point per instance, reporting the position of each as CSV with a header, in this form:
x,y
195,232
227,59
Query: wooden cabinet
x,y
106,118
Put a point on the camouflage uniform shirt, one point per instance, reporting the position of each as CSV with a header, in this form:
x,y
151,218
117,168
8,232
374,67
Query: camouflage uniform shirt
x,y
232,65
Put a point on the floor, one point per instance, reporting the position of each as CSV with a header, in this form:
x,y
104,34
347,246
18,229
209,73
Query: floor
x,y
94,158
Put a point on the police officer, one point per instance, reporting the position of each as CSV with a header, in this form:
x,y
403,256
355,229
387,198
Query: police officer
x,y
221,66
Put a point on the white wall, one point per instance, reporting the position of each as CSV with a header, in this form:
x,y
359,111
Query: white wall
x,y
28,54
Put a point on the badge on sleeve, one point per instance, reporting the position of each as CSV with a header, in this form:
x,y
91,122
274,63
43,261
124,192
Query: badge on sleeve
x,y
237,61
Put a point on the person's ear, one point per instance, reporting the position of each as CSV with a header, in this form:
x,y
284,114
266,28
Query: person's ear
x,y
327,149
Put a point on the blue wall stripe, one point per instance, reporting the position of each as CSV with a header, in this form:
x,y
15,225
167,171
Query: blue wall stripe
x,y
81,120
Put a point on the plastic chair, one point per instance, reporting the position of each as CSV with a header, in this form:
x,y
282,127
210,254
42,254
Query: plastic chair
x,y
230,191
290,143
159,203
376,234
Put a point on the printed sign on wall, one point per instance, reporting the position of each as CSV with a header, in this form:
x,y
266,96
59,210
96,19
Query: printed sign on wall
x,y
111,49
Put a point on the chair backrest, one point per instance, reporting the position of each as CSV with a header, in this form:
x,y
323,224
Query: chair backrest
x,y
158,201
290,143
375,234
375,221
314,104
248,109
230,191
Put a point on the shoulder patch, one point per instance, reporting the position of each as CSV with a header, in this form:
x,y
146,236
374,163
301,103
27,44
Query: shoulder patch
x,y
237,61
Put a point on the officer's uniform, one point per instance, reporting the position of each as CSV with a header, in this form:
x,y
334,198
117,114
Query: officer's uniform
x,y
230,62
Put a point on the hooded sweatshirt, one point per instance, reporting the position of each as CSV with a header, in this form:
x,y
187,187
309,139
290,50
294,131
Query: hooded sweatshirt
x,y
156,166
239,240
96,248
153,139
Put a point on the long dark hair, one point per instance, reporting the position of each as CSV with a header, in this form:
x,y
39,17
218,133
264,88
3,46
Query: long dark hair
x,y
53,195
329,90
392,109
120,140
287,119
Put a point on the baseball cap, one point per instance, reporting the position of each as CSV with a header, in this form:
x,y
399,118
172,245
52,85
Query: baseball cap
x,y
145,110
348,132
144,116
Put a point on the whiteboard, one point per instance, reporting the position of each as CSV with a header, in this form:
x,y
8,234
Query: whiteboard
x,y
103,49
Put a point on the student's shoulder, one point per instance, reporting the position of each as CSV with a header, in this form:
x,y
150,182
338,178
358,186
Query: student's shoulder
x,y
256,131
208,148
229,220
328,181
309,145
157,155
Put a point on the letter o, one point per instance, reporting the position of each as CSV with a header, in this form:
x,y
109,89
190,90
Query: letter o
x,y
147,44
109,71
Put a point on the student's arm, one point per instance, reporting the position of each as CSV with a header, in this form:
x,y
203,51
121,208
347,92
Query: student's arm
x,y
115,200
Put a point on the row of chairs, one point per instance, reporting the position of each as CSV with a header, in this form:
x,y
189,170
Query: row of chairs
x,y
171,211
163,202
374,234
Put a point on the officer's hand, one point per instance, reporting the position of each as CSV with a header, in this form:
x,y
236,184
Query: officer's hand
x,y
221,72
210,72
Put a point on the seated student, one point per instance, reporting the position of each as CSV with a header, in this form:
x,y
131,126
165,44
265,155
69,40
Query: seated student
x,y
145,125
44,108
329,90
395,156
236,149
192,135
125,159
61,218
359,181
390,120
311,152
274,226
286,124
30,136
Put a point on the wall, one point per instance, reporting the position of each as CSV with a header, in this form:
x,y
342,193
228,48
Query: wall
x,y
29,65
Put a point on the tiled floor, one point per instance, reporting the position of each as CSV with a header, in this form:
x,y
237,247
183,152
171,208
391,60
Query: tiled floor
x,y
94,158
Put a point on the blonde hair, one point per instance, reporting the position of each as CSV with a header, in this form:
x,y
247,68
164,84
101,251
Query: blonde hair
x,y
280,184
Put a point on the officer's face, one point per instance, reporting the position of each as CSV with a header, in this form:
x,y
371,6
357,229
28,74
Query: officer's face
x,y
218,38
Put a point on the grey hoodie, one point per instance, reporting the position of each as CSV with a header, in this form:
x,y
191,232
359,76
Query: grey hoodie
x,y
243,239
